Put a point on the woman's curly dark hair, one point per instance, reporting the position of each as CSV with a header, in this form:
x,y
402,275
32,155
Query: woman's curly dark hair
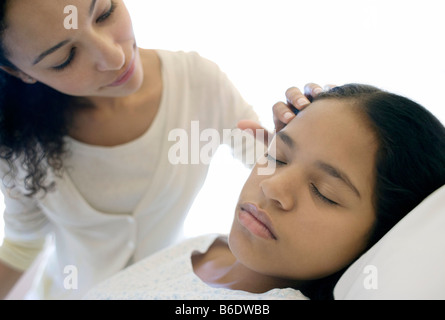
x,y
34,119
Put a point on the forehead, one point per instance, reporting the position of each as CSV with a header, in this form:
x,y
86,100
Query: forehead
x,y
333,118
336,132
25,16
35,25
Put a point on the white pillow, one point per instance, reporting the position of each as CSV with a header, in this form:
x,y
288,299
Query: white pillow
x,y
407,263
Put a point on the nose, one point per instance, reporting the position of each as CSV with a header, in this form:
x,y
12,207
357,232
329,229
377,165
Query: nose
x,y
280,190
108,54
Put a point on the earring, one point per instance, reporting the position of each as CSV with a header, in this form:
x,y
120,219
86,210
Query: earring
x,y
29,80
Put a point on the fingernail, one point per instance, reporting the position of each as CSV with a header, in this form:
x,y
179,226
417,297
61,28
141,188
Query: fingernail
x,y
288,115
302,102
317,91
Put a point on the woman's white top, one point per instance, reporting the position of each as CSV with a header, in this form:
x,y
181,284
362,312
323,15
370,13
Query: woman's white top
x,y
117,205
169,275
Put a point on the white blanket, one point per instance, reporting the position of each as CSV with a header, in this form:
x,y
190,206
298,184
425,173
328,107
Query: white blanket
x,y
169,275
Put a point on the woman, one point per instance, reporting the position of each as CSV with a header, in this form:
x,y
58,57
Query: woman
x,y
84,120
348,168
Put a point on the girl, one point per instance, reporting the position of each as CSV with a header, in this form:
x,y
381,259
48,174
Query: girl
x,y
348,168
84,121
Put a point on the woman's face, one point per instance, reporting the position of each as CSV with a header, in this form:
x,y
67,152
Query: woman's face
x,y
99,58
313,215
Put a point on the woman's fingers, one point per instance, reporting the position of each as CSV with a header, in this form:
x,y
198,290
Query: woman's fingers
x,y
282,114
296,101
296,98
312,90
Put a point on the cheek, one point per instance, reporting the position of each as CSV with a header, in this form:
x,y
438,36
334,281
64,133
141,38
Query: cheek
x,y
251,186
316,248
76,84
256,254
123,27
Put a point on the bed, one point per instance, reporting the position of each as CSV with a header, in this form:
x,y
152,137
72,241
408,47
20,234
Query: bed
x,y
407,263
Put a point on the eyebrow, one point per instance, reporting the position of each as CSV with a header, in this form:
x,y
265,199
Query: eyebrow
x,y
327,168
286,139
49,51
44,54
93,4
337,173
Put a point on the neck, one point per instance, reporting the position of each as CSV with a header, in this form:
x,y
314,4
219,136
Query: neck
x,y
218,267
239,277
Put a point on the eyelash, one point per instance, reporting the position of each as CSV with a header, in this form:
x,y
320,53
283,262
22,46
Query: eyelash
x,y
107,14
314,189
101,19
319,195
67,62
278,162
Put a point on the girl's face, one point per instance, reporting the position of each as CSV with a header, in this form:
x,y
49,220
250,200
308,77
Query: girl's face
x,y
99,58
314,214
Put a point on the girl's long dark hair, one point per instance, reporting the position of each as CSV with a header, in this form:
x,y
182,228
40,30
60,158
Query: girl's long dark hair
x,y
34,119
410,159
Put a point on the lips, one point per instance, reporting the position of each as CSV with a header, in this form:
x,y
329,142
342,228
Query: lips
x,y
126,75
256,221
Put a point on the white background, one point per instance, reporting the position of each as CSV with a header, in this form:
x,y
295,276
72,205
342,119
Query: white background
x,y
267,46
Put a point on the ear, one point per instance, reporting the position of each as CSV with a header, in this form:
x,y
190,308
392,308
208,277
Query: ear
x,y
18,74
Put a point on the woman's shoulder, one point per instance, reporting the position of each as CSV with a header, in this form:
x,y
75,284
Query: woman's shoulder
x,y
189,61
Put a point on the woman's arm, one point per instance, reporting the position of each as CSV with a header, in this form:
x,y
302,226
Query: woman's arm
x,y
8,278
25,232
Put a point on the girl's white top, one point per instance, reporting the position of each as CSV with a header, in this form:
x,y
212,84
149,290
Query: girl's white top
x,y
116,205
169,275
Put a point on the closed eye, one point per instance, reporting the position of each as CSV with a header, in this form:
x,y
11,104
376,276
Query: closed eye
x,y
320,196
67,62
272,159
72,54
107,14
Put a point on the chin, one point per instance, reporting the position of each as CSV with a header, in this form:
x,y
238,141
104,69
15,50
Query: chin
x,y
130,88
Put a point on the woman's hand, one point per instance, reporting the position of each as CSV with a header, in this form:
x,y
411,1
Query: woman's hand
x,y
283,113
296,101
